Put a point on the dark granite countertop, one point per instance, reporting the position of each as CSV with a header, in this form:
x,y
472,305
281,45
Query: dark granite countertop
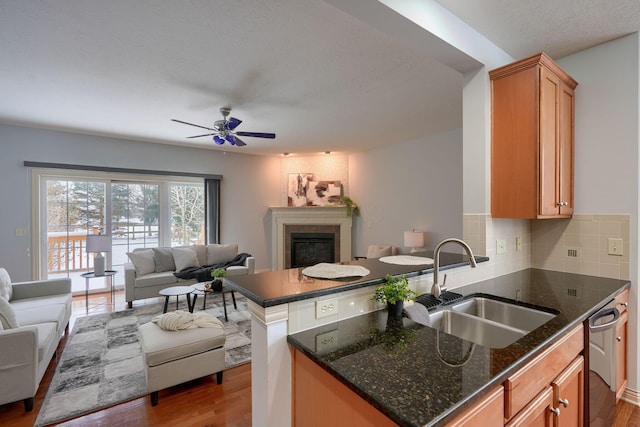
x,y
418,376
283,286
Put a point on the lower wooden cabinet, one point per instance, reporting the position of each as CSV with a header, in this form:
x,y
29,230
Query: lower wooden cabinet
x,y
538,413
622,335
488,412
568,395
622,332
321,400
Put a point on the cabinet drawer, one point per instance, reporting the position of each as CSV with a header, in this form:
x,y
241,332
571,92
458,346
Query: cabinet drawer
x,y
524,385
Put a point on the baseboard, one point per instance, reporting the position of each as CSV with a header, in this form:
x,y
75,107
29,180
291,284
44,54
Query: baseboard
x,y
631,396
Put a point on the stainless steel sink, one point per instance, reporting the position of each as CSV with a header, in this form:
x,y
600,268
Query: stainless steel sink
x,y
475,329
488,322
517,316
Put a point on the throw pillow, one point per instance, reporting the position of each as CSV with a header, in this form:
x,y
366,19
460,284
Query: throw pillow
x,y
6,290
378,251
7,315
184,258
217,254
143,261
164,259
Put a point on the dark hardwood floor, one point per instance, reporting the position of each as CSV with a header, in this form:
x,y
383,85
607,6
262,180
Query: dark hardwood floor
x,y
198,403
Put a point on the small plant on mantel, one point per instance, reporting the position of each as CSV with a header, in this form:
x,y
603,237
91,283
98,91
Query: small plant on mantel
x,y
394,291
352,208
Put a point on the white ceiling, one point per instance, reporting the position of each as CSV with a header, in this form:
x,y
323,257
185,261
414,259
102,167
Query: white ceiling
x,y
319,78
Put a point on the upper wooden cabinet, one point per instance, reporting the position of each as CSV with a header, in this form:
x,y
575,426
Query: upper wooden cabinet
x,y
532,140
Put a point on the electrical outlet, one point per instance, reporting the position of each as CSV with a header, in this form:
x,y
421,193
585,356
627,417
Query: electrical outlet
x,y
518,243
326,308
21,231
573,253
501,246
615,246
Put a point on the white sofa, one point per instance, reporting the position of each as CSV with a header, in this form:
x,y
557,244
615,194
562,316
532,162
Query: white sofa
x,y
151,269
33,318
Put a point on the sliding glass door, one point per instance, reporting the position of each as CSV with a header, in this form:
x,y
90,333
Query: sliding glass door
x,y
74,209
137,214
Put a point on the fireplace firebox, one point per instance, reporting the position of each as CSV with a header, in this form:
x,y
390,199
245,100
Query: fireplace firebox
x,y
312,248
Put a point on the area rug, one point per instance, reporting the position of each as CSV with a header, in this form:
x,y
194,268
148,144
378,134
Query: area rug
x,y
101,364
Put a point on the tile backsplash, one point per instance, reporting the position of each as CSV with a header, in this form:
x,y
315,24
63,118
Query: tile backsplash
x,y
576,245
580,245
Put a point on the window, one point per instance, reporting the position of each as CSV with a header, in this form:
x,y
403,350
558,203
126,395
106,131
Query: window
x,y
150,212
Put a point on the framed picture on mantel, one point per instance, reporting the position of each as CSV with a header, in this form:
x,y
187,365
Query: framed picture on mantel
x,y
298,188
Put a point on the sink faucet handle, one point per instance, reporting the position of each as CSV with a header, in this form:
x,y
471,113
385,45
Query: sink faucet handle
x,y
443,287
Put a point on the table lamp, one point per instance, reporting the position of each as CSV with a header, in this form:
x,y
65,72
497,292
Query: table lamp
x,y
415,240
98,243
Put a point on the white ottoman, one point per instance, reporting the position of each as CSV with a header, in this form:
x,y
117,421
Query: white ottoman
x,y
175,357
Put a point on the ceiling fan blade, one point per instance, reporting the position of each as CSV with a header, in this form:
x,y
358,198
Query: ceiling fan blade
x,y
199,136
258,134
218,140
191,124
233,123
234,140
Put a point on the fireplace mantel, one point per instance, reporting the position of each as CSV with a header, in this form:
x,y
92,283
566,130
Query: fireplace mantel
x,y
308,215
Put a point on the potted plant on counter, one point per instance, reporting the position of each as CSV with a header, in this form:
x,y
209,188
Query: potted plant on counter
x,y
394,291
218,274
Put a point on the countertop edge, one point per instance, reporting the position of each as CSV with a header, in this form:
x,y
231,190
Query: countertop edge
x,y
270,302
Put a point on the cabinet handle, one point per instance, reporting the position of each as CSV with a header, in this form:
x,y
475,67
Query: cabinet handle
x,y
564,402
556,411
626,304
618,339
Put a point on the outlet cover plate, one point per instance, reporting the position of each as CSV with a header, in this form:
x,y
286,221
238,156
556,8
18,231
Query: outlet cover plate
x,y
501,246
327,307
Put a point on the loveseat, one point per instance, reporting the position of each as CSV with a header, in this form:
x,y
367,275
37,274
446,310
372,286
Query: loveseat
x,y
33,318
152,269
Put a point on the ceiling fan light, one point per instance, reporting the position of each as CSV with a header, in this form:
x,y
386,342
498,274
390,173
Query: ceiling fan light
x,y
218,140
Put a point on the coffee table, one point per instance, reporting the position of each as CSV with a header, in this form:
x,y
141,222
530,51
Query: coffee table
x,y
198,289
176,291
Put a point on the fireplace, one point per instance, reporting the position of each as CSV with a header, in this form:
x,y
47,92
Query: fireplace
x,y
317,219
312,248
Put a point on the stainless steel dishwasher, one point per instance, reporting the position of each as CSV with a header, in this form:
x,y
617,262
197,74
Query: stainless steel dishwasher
x,y
601,381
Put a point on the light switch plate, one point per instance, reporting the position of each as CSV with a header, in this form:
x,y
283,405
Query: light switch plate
x,y
615,246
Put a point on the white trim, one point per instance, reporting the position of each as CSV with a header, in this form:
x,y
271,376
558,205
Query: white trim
x,y
324,215
631,396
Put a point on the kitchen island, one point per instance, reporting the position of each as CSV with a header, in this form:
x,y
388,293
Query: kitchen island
x,y
280,300
430,378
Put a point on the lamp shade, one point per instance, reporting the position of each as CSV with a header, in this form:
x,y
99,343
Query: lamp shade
x,y
413,239
98,243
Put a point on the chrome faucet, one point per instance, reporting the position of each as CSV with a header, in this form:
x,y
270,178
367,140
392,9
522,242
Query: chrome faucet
x,y
437,289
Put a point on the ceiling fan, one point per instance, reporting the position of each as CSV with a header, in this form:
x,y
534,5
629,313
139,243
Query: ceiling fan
x,y
224,130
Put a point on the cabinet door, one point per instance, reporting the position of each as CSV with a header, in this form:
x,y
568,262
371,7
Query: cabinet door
x,y
488,412
568,395
565,150
621,354
549,137
538,413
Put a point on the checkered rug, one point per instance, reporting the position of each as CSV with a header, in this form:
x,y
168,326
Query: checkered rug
x,y
102,365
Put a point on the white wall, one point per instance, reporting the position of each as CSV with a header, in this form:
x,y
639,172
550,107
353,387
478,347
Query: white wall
x,y
250,185
606,148
412,185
